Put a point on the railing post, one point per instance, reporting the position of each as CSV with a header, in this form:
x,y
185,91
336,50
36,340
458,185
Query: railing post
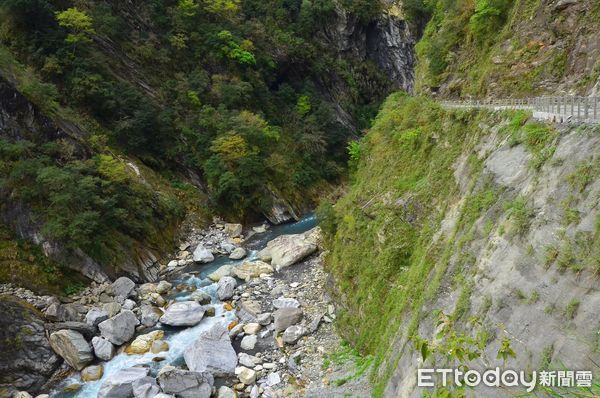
x,y
595,108
579,108
542,104
585,109
573,107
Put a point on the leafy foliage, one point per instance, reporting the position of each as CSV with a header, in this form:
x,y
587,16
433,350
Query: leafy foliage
x,y
83,203
228,89
77,22
488,18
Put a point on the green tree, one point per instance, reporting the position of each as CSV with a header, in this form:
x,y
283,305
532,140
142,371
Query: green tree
x,y
488,19
187,8
221,7
303,105
78,23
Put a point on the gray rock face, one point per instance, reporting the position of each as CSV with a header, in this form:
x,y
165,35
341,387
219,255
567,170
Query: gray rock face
x,y
112,308
28,364
283,302
186,384
286,250
391,45
293,334
226,287
238,253
103,349
227,247
163,287
95,316
183,313
387,41
248,342
264,319
150,315
248,311
252,269
247,360
86,330
128,304
74,349
286,317
225,392
281,211
145,387
120,385
120,328
212,352
123,287
202,255
57,312
234,230
201,297
225,270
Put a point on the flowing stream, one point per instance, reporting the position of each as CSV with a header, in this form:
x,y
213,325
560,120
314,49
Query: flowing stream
x,y
180,338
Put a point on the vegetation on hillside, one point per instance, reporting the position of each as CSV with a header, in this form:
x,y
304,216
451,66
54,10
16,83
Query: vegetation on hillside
x,y
380,232
504,48
233,90
232,96
386,251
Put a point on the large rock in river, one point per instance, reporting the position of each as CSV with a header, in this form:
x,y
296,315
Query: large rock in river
x,y
286,250
238,253
145,387
120,328
103,348
123,287
186,384
143,343
73,347
183,313
233,230
225,270
252,269
226,287
212,352
150,315
120,384
203,255
26,358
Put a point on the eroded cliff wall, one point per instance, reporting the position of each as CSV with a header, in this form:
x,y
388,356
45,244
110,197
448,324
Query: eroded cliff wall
x,y
474,229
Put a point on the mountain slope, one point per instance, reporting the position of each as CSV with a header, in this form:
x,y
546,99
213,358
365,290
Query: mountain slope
x,y
173,109
470,231
510,48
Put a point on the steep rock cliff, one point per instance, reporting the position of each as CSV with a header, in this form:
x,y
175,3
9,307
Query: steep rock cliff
x,y
27,359
474,229
387,41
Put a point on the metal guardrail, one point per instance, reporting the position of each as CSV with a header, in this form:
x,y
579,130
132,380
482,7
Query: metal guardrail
x,y
566,109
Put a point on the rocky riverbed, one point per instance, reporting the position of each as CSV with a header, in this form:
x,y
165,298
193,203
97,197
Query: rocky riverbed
x,y
259,327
